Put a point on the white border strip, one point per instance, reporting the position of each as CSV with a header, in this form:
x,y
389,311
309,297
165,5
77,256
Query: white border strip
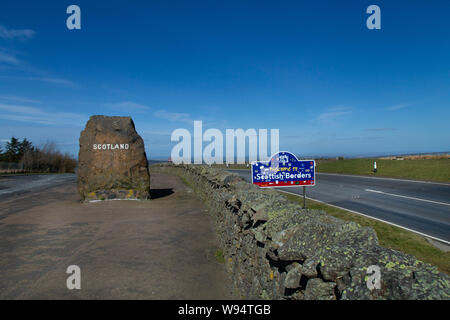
x,y
364,215
412,198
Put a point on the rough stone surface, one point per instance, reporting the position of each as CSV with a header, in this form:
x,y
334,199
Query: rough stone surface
x,y
293,276
270,243
118,169
316,289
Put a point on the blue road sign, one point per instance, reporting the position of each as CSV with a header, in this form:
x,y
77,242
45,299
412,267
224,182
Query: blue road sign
x,y
283,170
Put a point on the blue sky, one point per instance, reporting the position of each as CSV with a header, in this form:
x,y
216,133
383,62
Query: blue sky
x,y
309,68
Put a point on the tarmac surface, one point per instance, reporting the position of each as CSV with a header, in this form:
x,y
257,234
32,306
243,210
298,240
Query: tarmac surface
x,y
419,206
163,248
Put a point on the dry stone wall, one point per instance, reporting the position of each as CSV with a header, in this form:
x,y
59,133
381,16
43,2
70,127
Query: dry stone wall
x,y
276,250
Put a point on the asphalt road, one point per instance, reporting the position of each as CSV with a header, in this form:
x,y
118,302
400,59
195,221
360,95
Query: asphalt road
x,y
422,207
13,185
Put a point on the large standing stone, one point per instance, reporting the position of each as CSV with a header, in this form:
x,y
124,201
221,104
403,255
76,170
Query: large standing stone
x,y
112,163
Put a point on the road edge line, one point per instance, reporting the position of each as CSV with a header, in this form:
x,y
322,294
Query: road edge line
x,y
369,177
383,178
407,197
367,216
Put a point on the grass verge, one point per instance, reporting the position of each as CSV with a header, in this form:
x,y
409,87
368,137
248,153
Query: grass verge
x,y
389,236
427,170
219,256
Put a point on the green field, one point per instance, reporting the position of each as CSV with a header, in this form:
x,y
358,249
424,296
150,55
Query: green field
x,y
428,170
389,236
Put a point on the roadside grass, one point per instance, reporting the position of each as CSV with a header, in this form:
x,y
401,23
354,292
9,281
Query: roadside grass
x,y
437,169
219,256
186,182
389,236
427,169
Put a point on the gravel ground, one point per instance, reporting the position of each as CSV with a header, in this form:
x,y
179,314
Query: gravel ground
x,y
158,249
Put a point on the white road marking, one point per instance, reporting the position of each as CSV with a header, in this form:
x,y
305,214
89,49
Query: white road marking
x,y
380,178
129,199
366,177
367,216
370,217
413,198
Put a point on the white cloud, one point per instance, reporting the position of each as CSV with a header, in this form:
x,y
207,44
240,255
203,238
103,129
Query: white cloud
x,y
60,81
339,108
128,106
381,129
8,59
64,82
397,107
39,116
155,133
332,113
19,109
11,34
18,99
173,116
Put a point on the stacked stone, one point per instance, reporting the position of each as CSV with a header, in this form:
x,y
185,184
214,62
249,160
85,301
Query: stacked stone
x,y
274,249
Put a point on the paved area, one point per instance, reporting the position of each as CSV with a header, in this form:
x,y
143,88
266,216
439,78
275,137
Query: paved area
x,y
420,206
14,185
158,249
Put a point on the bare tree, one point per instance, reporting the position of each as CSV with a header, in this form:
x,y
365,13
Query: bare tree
x,y
47,159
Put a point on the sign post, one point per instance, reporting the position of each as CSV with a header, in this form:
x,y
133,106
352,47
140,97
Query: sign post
x,y
304,197
284,170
